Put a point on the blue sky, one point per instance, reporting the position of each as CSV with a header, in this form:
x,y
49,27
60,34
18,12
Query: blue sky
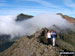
x,y
35,7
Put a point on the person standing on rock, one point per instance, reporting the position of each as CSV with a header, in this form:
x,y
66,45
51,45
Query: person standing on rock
x,y
53,37
49,37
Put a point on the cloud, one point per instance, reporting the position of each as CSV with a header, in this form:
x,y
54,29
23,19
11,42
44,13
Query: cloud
x,y
69,3
37,11
3,3
9,26
43,2
23,10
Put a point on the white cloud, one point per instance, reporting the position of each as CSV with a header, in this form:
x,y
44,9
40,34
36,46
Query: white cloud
x,y
69,3
26,11
37,11
43,2
3,0
3,3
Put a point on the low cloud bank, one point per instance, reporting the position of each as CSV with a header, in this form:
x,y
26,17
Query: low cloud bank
x,y
9,26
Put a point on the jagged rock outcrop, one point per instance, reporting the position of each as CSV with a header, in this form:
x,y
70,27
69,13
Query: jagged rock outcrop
x,y
31,46
69,19
22,16
36,45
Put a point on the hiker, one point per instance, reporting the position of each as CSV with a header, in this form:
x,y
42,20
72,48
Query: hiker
x,y
49,37
53,37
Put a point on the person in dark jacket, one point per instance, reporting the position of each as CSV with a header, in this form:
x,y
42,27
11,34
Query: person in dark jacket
x,y
53,37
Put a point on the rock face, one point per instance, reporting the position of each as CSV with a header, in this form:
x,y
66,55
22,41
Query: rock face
x,y
36,45
31,46
22,16
69,19
26,47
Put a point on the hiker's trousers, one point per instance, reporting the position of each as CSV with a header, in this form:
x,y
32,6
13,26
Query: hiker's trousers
x,y
53,41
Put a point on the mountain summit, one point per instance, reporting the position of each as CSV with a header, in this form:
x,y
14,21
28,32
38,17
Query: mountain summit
x,y
22,16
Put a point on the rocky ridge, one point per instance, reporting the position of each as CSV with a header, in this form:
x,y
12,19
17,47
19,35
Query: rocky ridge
x,y
31,46
69,19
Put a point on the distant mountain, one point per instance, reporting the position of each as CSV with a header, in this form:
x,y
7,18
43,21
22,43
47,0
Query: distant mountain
x,y
68,18
22,16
